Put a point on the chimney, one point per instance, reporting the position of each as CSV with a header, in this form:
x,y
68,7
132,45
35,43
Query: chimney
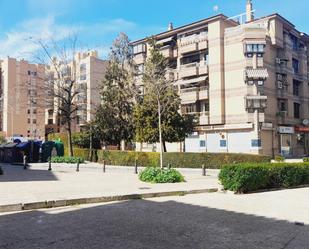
x,y
170,26
249,13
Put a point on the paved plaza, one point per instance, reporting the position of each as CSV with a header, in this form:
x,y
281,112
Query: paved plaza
x,y
62,183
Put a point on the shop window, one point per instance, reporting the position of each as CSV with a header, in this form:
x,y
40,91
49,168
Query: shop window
x,y
222,143
296,110
256,143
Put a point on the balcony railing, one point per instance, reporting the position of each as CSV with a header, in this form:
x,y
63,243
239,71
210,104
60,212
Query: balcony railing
x,y
193,69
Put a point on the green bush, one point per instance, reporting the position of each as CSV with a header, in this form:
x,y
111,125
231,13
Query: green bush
x,y
306,159
67,159
242,178
157,175
177,159
279,158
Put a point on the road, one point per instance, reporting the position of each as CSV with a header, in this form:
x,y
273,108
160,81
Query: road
x,y
216,220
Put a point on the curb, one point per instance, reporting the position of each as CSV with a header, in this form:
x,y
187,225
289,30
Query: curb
x,y
103,199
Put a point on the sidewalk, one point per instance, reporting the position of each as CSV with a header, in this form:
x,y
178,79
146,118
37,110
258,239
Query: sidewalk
x,y
37,184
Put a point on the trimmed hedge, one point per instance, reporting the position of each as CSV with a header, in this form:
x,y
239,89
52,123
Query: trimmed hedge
x,y
175,159
67,159
242,178
157,175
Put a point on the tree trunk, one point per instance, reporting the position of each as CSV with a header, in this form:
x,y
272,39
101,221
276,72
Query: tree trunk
x,y
70,139
91,145
164,146
160,136
119,146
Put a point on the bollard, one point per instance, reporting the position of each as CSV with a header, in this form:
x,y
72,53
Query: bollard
x,y
135,166
169,166
77,166
103,166
204,170
49,164
25,161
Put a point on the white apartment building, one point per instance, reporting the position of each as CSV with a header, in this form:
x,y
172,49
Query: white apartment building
x,y
246,81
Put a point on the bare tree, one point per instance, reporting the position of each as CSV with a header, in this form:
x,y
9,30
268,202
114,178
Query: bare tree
x,y
60,81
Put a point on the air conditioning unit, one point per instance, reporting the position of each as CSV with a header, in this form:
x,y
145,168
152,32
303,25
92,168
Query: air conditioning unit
x,y
280,85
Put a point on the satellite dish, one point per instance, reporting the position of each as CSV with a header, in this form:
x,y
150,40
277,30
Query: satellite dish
x,y
305,122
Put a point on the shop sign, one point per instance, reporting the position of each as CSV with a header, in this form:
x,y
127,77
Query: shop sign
x,y
286,130
302,129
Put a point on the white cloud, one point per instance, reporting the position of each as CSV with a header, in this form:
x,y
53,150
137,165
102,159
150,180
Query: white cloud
x,y
17,43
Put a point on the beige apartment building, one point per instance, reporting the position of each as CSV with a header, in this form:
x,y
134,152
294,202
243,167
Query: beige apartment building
x,y
88,71
22,99
246,81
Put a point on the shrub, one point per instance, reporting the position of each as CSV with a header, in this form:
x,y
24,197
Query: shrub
x,y
279,158
67,159
177,159
306,159
157,175
242,178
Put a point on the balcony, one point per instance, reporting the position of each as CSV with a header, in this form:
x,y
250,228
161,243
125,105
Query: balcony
x,y
203,68
167,51
193,43
203,93
204,118
189,95
140,58
259,73
188,70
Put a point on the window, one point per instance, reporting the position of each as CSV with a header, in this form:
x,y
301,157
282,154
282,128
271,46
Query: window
x,y
295,65
222,143
28,111
50,112
202,143
255,48
296,87
29,72
204,106
140,69
34,111
50,121
83,71
296,110
282,105
28,120
256,143
191,108
34,121
259,82
140,48
294,41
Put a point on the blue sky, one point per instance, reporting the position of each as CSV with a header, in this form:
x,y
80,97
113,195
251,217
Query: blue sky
x,y
97,22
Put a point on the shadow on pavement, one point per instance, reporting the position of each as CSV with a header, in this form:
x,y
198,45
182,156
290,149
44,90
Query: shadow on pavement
x,y
16,173
148,224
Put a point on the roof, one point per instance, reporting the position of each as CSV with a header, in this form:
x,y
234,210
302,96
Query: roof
x,y
287,22
187,26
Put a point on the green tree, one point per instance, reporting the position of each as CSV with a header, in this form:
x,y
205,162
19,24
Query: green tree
x,y
113,117
156,116
2,139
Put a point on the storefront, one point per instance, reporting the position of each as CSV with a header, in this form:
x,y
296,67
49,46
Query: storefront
x,y
286,140
302,133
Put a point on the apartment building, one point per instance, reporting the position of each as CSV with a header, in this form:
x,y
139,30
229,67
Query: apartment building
x,y
88,72
22,100
246,81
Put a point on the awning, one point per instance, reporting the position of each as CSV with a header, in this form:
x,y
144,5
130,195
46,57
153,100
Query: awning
x,y
195,80
302,129
165,40
259,73
187,102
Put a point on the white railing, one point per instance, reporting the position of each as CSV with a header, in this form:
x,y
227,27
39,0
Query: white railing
x,y
193,64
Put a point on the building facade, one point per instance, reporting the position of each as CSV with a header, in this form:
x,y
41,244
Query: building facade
x,y
247,83
22,99
88,71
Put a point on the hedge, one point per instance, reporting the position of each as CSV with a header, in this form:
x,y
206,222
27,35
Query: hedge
x,y
67,159
175,159
242,178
